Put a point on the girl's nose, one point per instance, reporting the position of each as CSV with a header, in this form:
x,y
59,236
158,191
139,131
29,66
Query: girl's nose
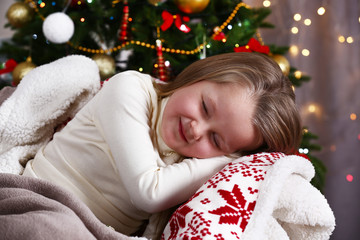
x,y
196,130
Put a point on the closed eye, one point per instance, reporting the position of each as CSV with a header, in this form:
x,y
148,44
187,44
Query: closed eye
x,y
215,140
205,107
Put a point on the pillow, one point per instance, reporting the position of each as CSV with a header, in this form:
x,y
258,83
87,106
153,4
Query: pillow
x,y
222,207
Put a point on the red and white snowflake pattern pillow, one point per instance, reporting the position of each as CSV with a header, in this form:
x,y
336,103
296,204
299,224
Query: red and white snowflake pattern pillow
x,y
222,207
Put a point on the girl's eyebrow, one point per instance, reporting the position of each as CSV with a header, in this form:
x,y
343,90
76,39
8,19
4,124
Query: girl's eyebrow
x,y
213,105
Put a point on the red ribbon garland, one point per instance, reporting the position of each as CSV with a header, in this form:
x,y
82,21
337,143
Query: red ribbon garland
x,y
169,20
9,66
253,46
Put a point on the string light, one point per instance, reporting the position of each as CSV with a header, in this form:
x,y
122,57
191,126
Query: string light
x,y
333,148
312,108
303,150
349,178
307,22
298,74
294,50
294,30
297,17
266,3
341,39
349,39
353,116
305,52
321,11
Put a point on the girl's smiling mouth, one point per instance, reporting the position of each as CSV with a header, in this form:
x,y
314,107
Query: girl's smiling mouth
x,y
181,131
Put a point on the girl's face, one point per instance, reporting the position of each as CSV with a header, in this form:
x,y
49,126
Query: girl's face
x,y
208,119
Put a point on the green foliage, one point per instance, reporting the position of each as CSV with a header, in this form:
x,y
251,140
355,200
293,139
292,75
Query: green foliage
x,y
320,170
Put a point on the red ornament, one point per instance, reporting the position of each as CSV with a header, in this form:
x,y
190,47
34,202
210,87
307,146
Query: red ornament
x,y
161,63
9,66
253,46
169,20
123,28
219,37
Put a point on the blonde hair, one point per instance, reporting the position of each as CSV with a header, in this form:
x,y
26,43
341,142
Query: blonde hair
x,y
276,116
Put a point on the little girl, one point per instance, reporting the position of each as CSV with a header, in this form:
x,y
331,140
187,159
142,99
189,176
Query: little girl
x,y
140,147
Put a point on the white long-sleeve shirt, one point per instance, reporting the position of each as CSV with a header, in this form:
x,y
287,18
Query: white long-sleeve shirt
x,y
106,156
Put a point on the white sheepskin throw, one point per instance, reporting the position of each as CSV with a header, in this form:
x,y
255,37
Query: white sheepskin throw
x,y
45,98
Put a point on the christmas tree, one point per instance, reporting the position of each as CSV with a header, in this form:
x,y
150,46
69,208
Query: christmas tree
x,y
158,37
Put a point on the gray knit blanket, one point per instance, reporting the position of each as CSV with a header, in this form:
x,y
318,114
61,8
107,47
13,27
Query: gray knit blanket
x,y
31,208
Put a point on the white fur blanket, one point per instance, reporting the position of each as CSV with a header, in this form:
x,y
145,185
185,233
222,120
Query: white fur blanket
x,y
46,97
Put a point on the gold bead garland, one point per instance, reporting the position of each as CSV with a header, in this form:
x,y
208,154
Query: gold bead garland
x,y
152,46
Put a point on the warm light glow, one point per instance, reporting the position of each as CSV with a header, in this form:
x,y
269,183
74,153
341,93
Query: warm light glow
x,y
298,74
297,17
321,11
141,69
349,39
82,19
266,3
341,38
294,50
223,40
42,4
312,108
156,65
359,136
294,30
353,116
79,3
307,22
333,148
305,52
349,178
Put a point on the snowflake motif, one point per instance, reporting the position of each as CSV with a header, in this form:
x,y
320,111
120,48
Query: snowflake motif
x,y
237,209
205,201
253,191
235,234
198,227
177,220
219,237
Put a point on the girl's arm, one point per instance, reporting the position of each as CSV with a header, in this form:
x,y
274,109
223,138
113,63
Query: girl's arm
x,y
122,115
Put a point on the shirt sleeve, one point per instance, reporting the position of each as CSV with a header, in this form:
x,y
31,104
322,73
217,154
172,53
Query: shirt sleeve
x,y
122,114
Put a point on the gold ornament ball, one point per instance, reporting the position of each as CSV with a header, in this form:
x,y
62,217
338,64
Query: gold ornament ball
x,y
191,6
19,14
283,63
106,65
21,70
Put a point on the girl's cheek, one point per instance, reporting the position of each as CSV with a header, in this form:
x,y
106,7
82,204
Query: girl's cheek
x,y
205,150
